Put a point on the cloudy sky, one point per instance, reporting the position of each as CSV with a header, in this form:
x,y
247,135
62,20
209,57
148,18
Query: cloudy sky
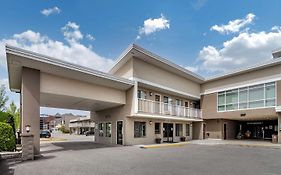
x,y
207,37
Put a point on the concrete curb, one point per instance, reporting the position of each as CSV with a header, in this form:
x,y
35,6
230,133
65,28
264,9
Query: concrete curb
x,y
165,145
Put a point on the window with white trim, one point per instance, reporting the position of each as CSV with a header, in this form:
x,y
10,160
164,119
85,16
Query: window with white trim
x,y
141,94
257,96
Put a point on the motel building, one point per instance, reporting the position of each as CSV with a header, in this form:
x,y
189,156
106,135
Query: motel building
x,y
145,97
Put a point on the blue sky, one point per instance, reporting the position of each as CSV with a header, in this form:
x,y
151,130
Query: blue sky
x,y
207,37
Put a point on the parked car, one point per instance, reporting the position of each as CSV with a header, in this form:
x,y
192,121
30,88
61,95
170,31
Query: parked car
x,y
87,133
45,134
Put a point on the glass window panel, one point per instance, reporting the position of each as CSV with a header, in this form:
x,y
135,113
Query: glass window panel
x,y
187,130
270,92
243,96
141,94
242,105
139,129
108,130
231,107
221,99
256,94
243,89
166,99
257,86
270,102
157,128
270,84
232,97
221,108
179,130
256,104
221,93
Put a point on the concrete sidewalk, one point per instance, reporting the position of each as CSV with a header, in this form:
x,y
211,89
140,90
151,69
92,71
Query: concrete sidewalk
x,y
246,143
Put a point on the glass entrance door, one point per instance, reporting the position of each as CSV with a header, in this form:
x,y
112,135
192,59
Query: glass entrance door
x,y
168,129
119,129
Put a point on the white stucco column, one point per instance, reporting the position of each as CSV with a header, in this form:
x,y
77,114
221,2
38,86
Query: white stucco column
x,y
30,100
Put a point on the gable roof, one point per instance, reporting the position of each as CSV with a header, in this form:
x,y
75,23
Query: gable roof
x,y
266,64
141,53
138,52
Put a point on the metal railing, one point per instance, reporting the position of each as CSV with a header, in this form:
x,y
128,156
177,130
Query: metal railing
x,y
155,107
82,124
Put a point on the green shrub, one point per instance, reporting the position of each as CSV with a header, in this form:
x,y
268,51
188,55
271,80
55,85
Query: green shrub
x,y
64,130
7,137
8,118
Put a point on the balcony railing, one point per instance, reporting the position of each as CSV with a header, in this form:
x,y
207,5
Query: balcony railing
x,y
81,124
160,108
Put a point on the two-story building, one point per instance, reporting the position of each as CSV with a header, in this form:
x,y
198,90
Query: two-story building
x,y
80,125
144,97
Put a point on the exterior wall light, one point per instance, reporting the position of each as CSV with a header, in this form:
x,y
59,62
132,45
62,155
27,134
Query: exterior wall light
x,y
150,122
27,128
150,93
243,115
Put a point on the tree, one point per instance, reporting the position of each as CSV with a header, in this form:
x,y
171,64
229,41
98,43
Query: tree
x,y
3,98
14,111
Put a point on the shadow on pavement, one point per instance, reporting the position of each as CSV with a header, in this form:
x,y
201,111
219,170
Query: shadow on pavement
x,y
6,166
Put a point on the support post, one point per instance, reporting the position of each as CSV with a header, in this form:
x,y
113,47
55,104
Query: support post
x,y
30,110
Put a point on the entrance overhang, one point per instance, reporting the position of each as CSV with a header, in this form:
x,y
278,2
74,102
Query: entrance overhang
x,y
18,58
66,85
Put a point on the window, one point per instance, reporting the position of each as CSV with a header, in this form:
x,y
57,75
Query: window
x,y
178,102
262,95
187,130
101,126
108,129
167,103
141,94
157,128
139,129
178,129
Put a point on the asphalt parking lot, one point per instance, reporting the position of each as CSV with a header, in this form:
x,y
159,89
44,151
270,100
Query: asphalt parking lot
x,y
86,157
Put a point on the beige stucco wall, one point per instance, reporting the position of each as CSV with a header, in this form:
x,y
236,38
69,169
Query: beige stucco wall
x,y
113,115
214,128
148,72
52,84
150,131
126,71
30,105
209,109
253,77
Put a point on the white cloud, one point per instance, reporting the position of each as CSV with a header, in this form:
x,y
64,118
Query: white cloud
x,y
192,68
243,50
198,4
72,32
154,25
234,25
54,10
72,51
90,37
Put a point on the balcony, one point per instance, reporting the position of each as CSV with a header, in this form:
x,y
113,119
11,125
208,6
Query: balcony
x,y
160,108
82,124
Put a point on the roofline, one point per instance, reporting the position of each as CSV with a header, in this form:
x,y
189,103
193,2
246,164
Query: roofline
x,y
266,64
157,57
57,62
54,61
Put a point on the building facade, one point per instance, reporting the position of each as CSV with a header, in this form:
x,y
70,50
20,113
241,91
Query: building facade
x,y
145,98
80,125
